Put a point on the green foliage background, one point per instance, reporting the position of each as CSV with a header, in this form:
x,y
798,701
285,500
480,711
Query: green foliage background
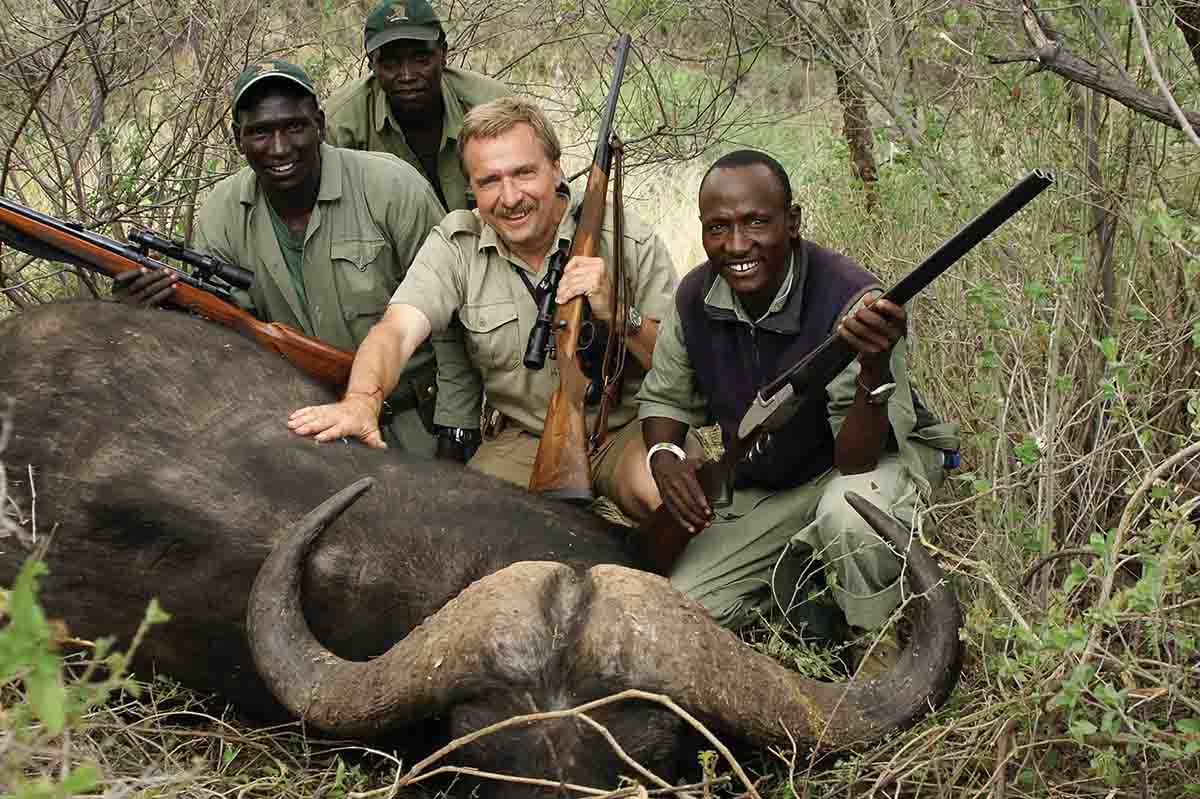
x,y
1069,532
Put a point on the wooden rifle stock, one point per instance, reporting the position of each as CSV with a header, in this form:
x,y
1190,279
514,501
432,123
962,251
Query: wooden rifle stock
x,y
562,469
663,539
47,237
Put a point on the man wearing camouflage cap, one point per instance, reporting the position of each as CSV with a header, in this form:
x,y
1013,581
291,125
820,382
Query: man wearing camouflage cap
x,y
329,234
412,104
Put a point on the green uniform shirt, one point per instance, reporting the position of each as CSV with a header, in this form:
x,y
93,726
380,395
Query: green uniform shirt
x,y
670,390
372,213
464,267
358,117
292,247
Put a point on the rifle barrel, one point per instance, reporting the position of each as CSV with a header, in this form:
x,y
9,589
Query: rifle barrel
x,y
835,354
974,232
604,134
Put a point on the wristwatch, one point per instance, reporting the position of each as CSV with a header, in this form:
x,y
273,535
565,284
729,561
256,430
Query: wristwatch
x,y
633,321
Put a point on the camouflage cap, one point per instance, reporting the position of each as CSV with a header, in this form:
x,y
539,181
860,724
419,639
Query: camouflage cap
x,y
401,19
276,69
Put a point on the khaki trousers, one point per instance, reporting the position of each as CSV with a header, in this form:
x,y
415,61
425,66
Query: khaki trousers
x,y
511,453
730,567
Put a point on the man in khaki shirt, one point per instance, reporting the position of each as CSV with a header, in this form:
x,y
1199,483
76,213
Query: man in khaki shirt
x,y
486,265
328,233
412,104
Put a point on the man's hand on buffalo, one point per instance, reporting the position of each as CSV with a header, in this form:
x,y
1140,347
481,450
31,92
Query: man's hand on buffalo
x,y
873,330
356,416
587,278
145,287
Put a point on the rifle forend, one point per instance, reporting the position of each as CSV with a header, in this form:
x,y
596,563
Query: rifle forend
x,y
46,237
561,469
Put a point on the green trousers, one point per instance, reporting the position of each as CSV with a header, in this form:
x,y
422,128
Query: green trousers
x,y
733,566
407,432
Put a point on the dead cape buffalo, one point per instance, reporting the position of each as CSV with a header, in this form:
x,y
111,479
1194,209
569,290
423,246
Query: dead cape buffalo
x,y
162,467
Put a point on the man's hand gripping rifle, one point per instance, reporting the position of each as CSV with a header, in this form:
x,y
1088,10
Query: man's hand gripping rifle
x,y
561,469
204,291
664,537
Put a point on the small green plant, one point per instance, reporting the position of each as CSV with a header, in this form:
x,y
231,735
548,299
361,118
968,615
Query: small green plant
x,y
50,699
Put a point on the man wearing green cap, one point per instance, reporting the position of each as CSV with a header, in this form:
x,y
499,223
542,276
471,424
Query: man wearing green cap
x,y
412,104
329,234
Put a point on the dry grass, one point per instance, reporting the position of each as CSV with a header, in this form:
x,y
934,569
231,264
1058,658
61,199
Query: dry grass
x,y
1068,532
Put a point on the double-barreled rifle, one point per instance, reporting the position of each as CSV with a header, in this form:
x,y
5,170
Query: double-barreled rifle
x,y
205,291
562,469
776,403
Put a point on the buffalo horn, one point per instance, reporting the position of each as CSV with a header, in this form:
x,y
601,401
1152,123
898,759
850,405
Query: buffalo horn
x,y
433,667
641,628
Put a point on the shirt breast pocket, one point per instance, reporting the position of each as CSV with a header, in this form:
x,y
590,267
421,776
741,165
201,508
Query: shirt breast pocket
x,y
364,289
353,263
492,336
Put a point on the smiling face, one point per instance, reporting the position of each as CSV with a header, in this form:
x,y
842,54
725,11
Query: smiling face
x,y
514,182
410,72
747,229
279,131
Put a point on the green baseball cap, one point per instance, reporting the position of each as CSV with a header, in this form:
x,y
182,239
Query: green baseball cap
x,y
275,69
401,19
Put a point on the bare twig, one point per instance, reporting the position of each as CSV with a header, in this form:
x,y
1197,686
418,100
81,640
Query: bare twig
x,y
1184,123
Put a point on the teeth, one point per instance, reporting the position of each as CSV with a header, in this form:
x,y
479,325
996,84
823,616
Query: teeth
x,y
743,267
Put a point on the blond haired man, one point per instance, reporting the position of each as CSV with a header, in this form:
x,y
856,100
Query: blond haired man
x,y
486,266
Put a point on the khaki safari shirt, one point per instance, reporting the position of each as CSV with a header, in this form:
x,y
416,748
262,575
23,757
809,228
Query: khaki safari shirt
x,y
358,117
464,267
372,214
670,390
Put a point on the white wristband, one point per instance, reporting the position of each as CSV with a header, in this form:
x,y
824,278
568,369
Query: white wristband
x,y
665,446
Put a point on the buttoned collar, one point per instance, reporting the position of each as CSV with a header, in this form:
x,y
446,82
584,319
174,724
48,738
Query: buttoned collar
x,y
782,315
452,117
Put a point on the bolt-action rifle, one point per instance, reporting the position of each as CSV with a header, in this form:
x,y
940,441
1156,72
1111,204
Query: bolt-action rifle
x,y
204,291
561,469
663,538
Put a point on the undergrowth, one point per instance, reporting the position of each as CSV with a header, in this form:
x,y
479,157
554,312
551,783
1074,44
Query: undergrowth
x,y
1069,532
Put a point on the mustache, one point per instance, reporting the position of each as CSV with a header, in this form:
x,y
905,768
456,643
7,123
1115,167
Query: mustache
x,y
516,210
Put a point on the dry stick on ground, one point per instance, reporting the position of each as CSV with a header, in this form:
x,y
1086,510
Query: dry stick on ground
x,y
1041,562
7,526
621,753
415,774
1127,519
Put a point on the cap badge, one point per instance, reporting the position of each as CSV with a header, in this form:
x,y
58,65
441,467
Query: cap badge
x,y
400,14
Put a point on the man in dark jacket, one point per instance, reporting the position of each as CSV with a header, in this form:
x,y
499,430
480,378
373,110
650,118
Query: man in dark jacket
x,y
763,300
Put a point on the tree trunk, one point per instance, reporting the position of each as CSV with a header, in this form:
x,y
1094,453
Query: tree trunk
x,y
1187,19
856,125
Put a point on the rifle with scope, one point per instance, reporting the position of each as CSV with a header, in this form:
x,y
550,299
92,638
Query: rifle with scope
x,y
205,291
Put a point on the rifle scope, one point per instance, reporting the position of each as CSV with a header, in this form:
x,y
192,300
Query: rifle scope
x,y
541,335
205,265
